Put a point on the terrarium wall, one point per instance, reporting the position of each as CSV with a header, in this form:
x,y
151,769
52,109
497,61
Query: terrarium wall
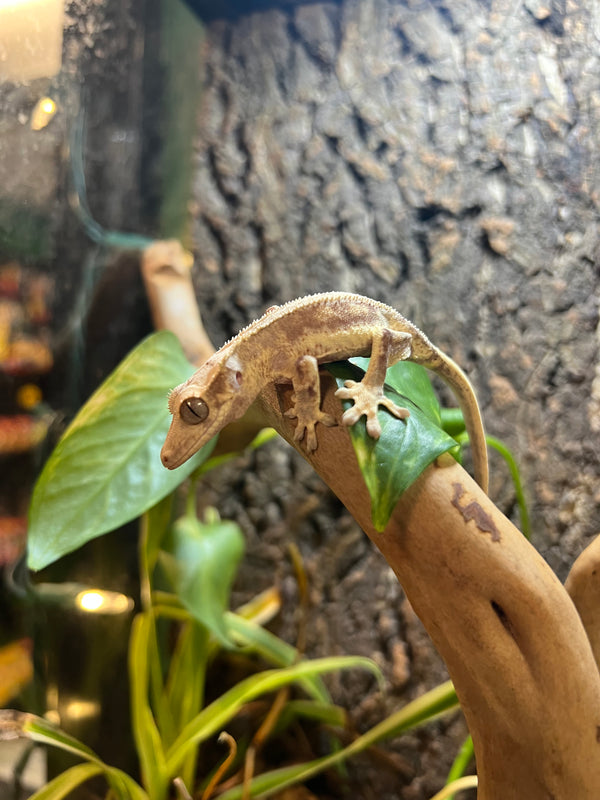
x,y
441,157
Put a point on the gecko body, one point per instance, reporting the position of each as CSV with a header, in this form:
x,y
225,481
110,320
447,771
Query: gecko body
x,y
287,344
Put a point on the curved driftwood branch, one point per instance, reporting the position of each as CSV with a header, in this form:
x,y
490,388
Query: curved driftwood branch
x,y
513,642
583,585
166,270
508,631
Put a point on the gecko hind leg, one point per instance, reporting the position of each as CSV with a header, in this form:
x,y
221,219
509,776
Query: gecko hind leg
x,y
306,402
387,347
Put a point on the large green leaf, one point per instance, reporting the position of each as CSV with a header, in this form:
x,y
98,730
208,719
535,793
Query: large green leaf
x,y
201,562
406,447
106,468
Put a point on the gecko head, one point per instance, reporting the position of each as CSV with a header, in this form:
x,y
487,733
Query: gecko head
x,y
202,406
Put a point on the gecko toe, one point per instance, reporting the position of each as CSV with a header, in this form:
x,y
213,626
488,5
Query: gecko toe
x,y
351,416
398,411
311,440
327,420
373,427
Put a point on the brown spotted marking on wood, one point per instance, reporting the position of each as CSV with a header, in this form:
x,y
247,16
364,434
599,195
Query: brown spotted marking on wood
x,y
473,511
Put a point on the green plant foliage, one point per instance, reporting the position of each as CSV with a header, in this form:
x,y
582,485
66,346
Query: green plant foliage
x,y
68,781
459,766
212,719
405,448
106,468
160,768
106,471
40,730
433,704
201,560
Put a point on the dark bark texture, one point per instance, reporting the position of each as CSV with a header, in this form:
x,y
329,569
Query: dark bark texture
x,y
441,157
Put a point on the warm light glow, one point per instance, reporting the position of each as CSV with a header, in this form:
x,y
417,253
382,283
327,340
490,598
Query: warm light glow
x,y
90,601
96,601
29,396
76,710
42,114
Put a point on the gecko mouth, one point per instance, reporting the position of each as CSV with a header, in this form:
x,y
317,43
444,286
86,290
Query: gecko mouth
x,y
169,458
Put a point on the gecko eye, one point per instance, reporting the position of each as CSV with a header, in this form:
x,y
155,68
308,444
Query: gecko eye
x,y
193,410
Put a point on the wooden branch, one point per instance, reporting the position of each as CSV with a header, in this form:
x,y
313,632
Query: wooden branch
x,y
514,644
166,270
513,641
583,585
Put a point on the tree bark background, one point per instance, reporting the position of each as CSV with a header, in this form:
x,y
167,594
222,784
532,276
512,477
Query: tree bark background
x,y
440,157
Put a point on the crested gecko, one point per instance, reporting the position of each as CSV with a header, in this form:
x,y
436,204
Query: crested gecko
x,y
287,344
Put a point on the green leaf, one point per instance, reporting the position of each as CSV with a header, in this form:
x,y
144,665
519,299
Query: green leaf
x,y
146,735
67,781
433,704
187,671
15,723
201,562
411,380
405,448
212,718
253,638
273,650
453,421
459,766
325,713
106,469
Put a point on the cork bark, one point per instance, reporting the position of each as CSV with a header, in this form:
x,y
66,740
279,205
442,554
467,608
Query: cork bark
x,y
440,157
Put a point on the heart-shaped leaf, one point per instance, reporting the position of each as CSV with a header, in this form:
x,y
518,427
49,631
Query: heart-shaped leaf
x,y
201,561
406,447
106,469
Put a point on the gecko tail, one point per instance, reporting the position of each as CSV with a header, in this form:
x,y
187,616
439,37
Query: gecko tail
x,y
461,386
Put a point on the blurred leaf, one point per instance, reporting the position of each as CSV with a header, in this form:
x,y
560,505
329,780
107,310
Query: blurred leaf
x,y
325,713
216,715
459,785
67,781
463,758
247,633
433,704
15,723
145,732
201,561
106,469
253,638
405,448
16,668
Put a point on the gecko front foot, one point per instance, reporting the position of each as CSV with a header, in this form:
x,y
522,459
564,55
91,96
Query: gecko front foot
x,y
367,399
